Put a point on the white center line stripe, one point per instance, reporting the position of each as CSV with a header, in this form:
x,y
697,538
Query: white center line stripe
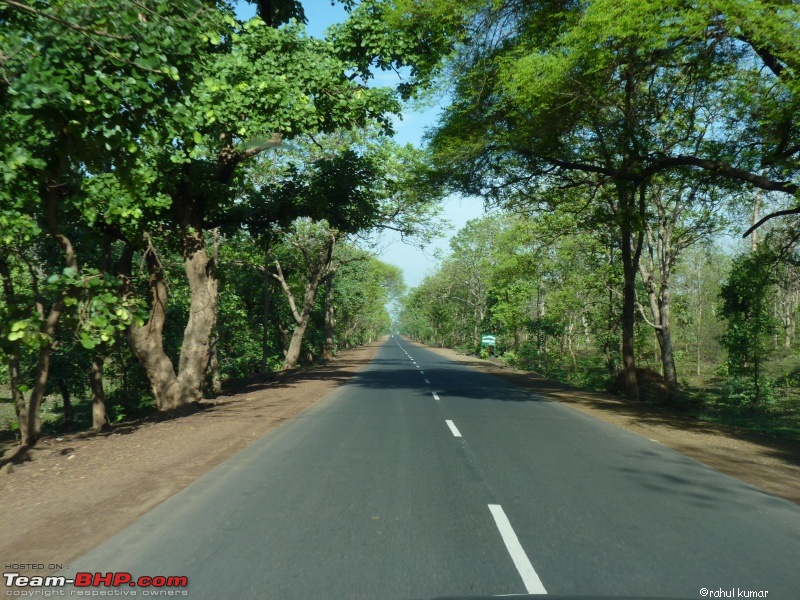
x,y
529,577
453,428
422,372
435,396
426,381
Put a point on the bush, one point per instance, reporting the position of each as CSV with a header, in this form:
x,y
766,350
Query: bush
x,y
510,358
740,391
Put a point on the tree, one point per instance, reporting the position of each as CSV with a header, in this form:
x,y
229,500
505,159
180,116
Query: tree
x,y
314,242
748,298
681,214
609,95
77,93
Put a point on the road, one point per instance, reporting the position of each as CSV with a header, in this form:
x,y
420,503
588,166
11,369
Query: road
x,y
422,478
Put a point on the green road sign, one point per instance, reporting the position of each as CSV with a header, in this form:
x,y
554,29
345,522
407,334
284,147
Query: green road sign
x,y
488,340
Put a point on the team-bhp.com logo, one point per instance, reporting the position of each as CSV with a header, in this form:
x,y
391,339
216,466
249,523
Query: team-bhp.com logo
x,y
111,579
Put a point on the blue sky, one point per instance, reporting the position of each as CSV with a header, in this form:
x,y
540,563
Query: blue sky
x,y
414,262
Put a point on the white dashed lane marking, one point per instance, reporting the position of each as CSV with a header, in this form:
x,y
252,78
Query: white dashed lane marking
x,y
453,428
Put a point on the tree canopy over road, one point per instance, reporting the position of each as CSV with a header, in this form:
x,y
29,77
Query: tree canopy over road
x,y
185,195
177,184
626,137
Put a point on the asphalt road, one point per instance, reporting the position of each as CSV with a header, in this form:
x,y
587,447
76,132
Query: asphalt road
x,y
372,494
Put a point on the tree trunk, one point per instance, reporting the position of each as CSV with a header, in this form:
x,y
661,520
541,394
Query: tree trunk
x,y
266,314
172,390
12,352
193,361
30,425
660,304
476,338
147,340
213,353
754,235
630,260
213,365
328,347
100,419
629,334
66,398
18,398
317,272
295,345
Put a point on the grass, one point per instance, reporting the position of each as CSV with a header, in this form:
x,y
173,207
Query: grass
x,y
702,397
52,414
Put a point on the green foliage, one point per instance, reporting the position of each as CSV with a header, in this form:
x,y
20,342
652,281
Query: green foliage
x,y
132,127
748,298
741,391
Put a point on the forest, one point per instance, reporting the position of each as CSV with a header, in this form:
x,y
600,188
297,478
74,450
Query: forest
x,y
641,159
188,197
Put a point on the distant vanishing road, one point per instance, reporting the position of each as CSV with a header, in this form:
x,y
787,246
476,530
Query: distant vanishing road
x,y
421,478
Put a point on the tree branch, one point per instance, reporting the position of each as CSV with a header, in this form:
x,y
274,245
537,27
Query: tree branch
x,y
762,220
65,23
765,183
286,290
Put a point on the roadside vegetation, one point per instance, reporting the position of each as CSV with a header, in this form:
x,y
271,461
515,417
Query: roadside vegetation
x,y
186,197
642,163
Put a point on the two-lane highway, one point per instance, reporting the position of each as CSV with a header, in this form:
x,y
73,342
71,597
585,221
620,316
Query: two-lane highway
x,y
422,478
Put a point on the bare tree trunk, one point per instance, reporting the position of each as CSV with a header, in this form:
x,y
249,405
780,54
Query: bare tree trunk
x,y
213,352
100,419
213,365
756,206
328,349
295,345
193,361
660,304
265,314
699,328
173,390
476,339
318,271
147,340
66,399
629,319
29,419
17,397
569,343
630,263
31,429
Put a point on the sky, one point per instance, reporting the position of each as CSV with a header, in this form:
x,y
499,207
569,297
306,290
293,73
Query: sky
x,y
414,262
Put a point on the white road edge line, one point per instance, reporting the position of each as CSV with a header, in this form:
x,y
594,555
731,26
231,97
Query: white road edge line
x,y
452,426
529,577
435,396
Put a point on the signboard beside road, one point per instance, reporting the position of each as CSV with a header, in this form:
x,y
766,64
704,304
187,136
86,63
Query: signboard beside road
x,y
488,340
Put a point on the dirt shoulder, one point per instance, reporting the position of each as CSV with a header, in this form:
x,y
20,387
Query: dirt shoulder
x,y
79,490
768,463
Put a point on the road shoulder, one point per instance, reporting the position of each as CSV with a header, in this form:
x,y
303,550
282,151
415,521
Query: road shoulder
x,y
80,490
768,463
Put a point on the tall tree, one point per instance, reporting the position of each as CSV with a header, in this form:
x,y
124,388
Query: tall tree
x,y
680,215
609,95
78,90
